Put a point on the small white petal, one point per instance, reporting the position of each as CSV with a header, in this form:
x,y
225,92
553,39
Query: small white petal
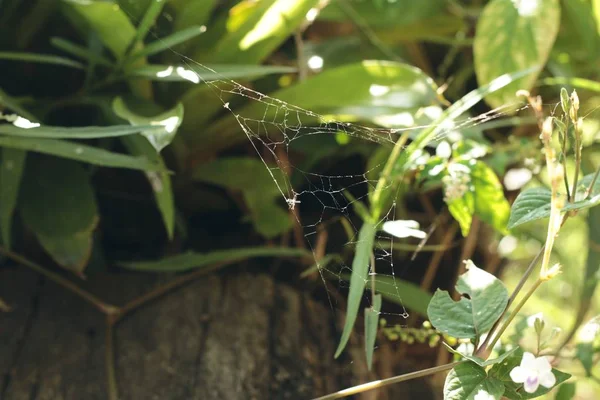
x,y
528,361
531,384
547,380
542,365
518,374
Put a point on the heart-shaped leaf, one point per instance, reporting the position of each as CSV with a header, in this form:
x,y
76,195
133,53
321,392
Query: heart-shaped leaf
x,y
469,381
469,317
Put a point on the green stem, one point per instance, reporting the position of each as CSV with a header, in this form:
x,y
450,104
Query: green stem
x,y
389,381
385,176
514,313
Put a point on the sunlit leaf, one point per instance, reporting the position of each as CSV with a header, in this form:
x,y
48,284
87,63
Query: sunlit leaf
x,y
469,317
513,36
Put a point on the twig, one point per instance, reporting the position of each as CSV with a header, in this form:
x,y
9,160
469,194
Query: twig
x,y
437,258
389,381
67,284
109,354
302,64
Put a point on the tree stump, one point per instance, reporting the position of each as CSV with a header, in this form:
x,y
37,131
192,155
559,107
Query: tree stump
x,y
230,336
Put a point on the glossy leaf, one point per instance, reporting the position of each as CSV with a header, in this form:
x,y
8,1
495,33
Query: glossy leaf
x,y
358,279
215,259
371,325
513,36
533,204
11,170
259,185
469,317
514,391
169,120
87,132
208,73
469,381
40,58
79,152
63,187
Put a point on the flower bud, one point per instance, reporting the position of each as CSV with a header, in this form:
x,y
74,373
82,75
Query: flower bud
x,y
565,102
574,106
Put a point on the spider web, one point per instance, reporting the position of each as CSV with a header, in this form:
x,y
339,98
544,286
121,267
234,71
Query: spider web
x,y
320,199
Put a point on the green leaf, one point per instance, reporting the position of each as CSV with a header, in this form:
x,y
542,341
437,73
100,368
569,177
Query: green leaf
x,y
79,51
566,391
191,260
358,279
533,204
87,132
513,36
579,83
484,198
10,102
40,58
169,120
339,93
149,19
371,325
478,360
584,352
168,42
469,381
58,205
192,12
159,181
11,171
207,73
512,390
79,152
259,185
470,317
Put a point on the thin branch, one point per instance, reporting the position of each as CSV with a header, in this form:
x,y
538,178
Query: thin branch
x,y
109,354
389,381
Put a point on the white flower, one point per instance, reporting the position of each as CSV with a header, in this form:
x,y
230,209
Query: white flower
x,y
533,372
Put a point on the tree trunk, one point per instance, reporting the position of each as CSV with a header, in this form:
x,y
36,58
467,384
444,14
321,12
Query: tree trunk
x,y
234,336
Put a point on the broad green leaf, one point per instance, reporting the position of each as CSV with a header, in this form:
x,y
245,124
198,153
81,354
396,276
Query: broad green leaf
x,y
169,120
215,259
208,73
159,181
168,42
533,204
566,391
63,187
269,25
469,381
79,152
513,36
40,58
259,185
480,361
469,317
87,132
358,279
514,391
371,325
484,198
372,91
11,170
79,51
386,14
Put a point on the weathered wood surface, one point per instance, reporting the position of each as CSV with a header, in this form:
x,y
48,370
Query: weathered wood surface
x,y
234,336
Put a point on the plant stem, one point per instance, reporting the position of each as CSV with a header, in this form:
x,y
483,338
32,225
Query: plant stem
x,y
514,313
67,284
564,158
577,161
109,360
591,187
389,381
385,175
